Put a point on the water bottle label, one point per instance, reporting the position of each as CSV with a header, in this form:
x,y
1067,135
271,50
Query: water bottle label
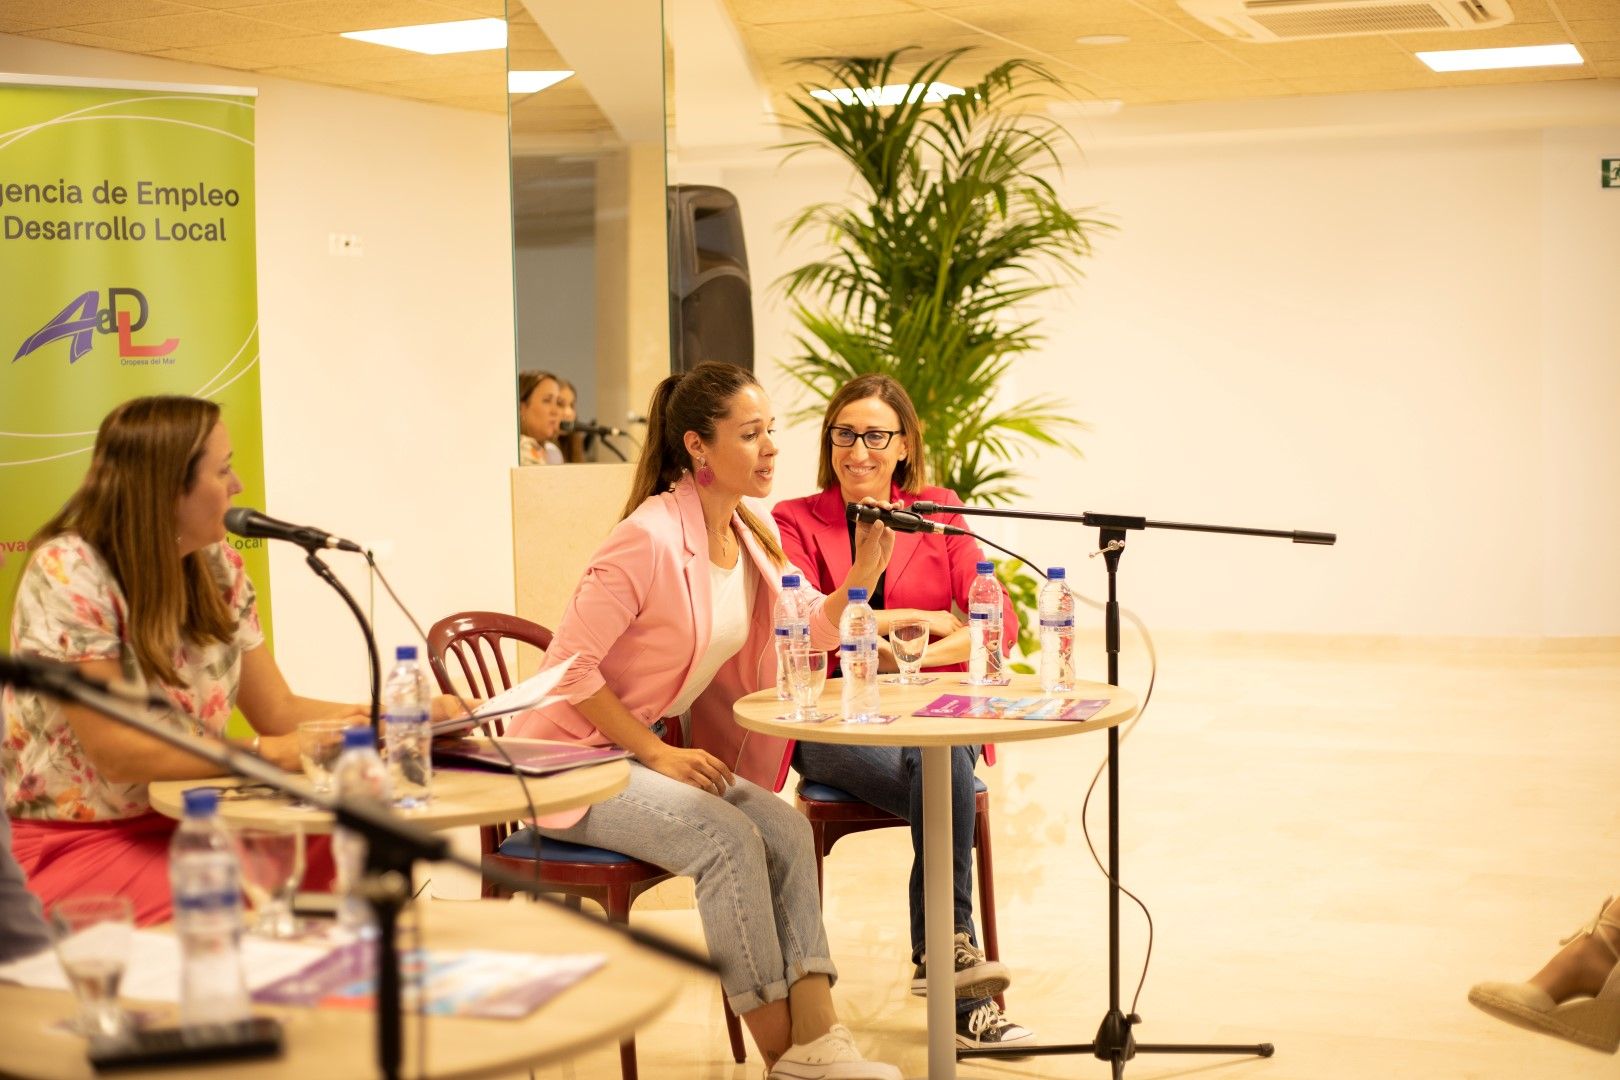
x,y
784,631
977,616
1057,623
848,646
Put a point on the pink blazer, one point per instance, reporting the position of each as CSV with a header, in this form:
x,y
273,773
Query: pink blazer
x,y
927,572
641,618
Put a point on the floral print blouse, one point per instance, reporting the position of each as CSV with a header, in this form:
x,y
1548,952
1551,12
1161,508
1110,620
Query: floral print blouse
x,y
70,608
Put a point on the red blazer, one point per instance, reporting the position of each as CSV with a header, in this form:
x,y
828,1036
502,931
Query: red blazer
x,y
927,572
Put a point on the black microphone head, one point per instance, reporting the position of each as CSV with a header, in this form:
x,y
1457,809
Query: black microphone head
x,y
240,520
859,512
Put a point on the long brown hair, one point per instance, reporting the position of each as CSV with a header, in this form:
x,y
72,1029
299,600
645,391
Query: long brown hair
x,y
145,459
909,475
691,401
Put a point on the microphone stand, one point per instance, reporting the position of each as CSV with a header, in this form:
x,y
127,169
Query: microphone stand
x,y
1114,1042
392,845
324,572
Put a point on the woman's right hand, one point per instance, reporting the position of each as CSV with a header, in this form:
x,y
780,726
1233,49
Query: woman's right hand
x,y
941,624
692,766
281,751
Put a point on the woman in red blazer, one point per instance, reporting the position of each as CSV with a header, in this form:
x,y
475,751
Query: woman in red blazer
x,y
871,447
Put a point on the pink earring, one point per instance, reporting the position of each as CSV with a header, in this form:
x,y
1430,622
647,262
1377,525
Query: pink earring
x,y
704,474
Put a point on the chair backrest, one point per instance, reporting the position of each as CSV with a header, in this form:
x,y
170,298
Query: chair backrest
x,y
474,638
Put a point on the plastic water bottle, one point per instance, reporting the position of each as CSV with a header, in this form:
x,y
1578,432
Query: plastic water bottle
x,y
984,628
1057,632
206,883
792,630
858,659
359,773
409,737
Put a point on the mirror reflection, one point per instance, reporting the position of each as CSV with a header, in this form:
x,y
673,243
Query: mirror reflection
x,y
588,224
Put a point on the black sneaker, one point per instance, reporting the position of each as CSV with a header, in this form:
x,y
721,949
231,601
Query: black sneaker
x,y
976,977
985,1028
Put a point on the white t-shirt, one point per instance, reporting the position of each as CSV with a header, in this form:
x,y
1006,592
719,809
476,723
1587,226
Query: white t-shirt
x,y
732,592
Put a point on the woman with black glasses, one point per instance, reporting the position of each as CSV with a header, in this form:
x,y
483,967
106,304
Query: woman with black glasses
x,y
871,445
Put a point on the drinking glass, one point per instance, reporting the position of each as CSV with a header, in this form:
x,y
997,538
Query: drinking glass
x,y
92,938
320,743
807,675
272,870
909,640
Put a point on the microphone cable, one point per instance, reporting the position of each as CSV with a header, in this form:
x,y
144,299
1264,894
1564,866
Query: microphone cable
x,y
528,799
1128,729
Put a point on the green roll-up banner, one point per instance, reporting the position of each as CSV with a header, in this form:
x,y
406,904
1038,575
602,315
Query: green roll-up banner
x,y
126,269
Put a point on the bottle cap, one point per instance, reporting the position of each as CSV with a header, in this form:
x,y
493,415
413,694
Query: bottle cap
x,y
857,595
201,802
790,581
405,652
358,738
987,568
1055,573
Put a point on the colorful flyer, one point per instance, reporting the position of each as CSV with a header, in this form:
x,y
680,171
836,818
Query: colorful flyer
x,y
1011,708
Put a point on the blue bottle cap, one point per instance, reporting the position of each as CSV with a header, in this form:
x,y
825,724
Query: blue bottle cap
x,y
201,802
857,595
790,581
1055,573
405,652
987,568
358,738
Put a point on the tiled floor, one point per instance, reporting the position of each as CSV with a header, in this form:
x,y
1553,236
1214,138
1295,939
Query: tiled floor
x,y
1336,839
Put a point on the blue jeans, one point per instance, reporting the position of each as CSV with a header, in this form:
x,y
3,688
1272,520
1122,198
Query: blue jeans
x,y
750,854
890,778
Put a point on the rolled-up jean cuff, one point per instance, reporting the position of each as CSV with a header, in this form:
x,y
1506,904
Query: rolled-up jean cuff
x,y
750,1000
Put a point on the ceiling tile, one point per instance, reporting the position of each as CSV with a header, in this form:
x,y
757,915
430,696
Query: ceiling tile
x,y
769,12
335,18
1595,29
1517,33
196,29
254,55
1581,9
70,36
40,14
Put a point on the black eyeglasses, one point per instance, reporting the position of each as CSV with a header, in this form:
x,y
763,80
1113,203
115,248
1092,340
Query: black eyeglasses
x,y
874,439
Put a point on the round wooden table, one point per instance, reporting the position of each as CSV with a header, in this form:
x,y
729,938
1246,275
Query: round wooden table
x,y
634,986
935,736
460,797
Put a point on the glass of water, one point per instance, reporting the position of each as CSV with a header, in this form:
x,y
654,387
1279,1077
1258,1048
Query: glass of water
x,y
92,939
807,676
320,744
909,640
272,870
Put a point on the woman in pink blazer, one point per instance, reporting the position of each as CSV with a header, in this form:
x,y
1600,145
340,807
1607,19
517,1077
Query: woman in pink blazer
x,y
673,614
872,448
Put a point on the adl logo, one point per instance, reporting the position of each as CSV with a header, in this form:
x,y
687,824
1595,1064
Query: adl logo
x,y
85,316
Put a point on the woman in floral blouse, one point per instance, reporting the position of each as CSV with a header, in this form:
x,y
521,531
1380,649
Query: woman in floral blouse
x,y
131,581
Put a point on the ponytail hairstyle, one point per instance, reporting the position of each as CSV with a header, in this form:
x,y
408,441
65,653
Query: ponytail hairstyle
x,y
691,401
145,458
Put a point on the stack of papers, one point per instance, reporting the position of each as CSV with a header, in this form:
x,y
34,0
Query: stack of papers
x,y
529,694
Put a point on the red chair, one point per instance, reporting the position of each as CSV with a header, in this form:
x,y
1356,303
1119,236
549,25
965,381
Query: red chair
x,y
578,872
835,813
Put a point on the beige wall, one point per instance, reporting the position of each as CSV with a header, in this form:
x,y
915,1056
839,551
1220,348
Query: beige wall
x,y
1401,329
387,379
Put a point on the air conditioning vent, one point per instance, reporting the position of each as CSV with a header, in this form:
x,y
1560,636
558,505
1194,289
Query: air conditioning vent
x,y
1295,20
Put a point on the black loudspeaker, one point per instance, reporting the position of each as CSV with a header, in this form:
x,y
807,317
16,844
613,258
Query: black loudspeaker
x,y
711,315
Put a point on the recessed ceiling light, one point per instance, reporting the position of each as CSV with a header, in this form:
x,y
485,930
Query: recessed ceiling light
x,y
1519,56
436,39
532,82
1102,39
892,94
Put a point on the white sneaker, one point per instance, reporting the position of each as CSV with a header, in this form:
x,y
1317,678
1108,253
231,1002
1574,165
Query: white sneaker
x,y
831,1057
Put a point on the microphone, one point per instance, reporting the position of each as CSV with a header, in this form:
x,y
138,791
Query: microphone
x,y
250,523
64,680
900,520
591,428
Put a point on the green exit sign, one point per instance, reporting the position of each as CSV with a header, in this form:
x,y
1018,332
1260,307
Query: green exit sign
x,y
1611,172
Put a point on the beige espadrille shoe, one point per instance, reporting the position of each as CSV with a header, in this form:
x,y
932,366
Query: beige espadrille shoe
x,y
1590,1021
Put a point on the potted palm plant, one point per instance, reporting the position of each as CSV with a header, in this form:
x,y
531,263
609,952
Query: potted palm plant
x,y
952,228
